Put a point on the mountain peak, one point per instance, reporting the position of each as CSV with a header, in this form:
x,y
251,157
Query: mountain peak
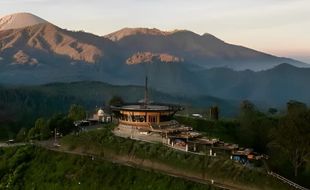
x,y
120,34
211,37
19,20
285,66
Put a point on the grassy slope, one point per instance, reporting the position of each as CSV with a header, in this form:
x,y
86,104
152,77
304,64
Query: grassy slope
x,y
221,169
35,168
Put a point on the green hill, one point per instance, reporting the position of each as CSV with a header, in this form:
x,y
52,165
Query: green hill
x,y
103,143
32,168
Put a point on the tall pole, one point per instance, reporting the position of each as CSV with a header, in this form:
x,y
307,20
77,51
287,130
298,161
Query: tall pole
x,y
146,93
55,134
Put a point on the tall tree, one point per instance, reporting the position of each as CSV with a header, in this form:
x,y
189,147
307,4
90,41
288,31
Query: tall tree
x,y
116,101
41,129
62,123
254,127
21,135
77,112
293,137
272,111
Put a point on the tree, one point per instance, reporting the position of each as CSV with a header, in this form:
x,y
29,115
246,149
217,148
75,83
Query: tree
x,y
33,133
272,111
116,101
62,123
40,130
77,112
254,127
295,107
292,137
21,135
214,113
247,107
45,132
248,122
65,126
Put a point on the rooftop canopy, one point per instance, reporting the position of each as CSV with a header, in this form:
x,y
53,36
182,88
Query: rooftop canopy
x,y
148,108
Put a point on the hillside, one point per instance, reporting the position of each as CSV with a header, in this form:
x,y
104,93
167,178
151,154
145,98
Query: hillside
x,y
45,42
270,88
36,168
158,157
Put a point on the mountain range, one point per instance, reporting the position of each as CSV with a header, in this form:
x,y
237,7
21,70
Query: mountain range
x,y
34,51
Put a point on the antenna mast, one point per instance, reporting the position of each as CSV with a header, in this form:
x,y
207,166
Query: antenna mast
x,y
146,99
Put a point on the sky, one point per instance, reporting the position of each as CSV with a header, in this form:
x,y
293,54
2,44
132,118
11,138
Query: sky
x,y
279,27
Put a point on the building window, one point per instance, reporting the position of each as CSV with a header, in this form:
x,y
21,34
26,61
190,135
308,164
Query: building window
x,y
152,119
165,118
142,118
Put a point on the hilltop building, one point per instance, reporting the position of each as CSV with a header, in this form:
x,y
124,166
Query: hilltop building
x,y
102,117
145,116
97,118
152,122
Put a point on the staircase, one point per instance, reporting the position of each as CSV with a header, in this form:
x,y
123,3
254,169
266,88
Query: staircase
x,y
283,179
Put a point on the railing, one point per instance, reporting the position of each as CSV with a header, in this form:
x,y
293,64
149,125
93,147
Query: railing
x,y
283,179
132,123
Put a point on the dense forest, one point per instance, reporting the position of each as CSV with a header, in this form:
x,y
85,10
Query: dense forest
x,y
20,106
285,138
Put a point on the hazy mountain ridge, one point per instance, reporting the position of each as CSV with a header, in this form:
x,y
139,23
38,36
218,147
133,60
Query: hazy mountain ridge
x,y
41,100
44,53
205,51
271,87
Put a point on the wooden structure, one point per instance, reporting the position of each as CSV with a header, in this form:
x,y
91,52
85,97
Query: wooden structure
x,y
154,123
149,117
146,116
